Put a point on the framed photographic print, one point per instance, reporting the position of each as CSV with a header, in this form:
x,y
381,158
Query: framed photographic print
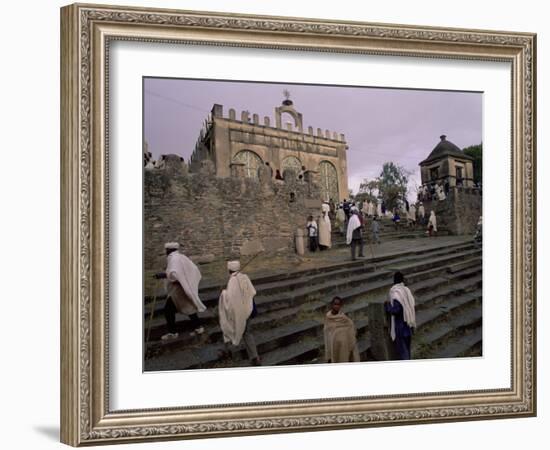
x,y
276,224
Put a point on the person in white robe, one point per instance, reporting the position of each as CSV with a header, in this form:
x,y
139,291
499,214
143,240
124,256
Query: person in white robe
x,y
432,224
235,308
412,216
325,238
379,208
182,291
421,214
440,193
400,305
340,335
340,219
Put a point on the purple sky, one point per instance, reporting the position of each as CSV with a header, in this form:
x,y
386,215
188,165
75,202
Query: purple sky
x,y
380,125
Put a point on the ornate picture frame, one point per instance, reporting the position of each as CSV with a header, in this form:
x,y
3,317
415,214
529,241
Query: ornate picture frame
x,y
87,32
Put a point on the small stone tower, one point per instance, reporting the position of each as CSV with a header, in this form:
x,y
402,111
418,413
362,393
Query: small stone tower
x,y
449,163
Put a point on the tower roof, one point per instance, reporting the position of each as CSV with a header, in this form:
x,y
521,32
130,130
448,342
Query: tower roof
x,y
443,149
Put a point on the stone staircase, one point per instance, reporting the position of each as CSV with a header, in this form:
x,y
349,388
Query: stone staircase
x,y
388,232
445,279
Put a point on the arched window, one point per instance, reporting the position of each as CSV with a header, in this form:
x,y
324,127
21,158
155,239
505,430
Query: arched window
x,y
328,179
251,163
291,162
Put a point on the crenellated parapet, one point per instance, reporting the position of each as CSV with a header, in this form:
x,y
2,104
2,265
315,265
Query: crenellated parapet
x,y
241,141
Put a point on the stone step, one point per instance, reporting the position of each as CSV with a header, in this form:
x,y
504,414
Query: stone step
x,y
302,351
452,305
207,355
430,280
345,269
424,341
368,283
287,344
460,345
212,290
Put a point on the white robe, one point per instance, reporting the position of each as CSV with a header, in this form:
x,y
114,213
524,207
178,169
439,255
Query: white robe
x,y
180,269
421,211
440,193
412,212
354,222
379,209
403,295
324,231
432,221
235,306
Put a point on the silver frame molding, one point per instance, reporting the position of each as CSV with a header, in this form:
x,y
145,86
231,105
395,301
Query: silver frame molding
x,y
86,32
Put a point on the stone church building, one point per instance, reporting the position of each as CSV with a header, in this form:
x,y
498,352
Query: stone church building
x,y
246,143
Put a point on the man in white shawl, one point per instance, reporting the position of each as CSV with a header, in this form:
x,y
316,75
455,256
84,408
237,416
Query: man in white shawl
x,y
354,235
182,291
400,305
340,335
432,224
325,238
235,308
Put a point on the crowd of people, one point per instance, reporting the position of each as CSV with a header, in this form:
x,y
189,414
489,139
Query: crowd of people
x,y
236,308
354,222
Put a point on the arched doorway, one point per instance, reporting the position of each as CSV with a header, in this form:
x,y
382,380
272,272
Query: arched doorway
x,y
328,179
291,162
251,163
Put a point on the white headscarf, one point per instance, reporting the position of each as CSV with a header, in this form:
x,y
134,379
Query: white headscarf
x,y
234,266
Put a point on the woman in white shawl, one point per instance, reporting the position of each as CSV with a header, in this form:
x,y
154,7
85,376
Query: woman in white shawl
x,y
325,240
340,335
432,224
401,307
235,307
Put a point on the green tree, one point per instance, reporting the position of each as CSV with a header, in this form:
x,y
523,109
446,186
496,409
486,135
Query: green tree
x,y
392,183
368,190
476,152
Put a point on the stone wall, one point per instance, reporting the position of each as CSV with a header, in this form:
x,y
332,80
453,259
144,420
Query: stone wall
x,y
459,212
221,217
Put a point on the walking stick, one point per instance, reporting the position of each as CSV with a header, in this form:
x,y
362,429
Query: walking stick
x,y
250,260
152,314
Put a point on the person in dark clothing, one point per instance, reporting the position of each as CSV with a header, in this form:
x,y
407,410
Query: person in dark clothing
x,y
383,207
313,234
278,175
400,305
346,207
355,233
